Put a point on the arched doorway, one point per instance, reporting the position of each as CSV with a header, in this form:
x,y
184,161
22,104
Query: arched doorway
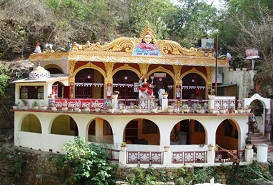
x,y
58,90
162,79
227,135
64,125
100,131
142,131
193,87
89,83
31,123
188,132
126,82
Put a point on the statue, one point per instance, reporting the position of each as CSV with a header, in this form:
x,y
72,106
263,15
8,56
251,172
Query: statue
x,y
147,46
146,89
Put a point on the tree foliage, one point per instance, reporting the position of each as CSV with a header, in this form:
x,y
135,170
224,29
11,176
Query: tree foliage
x,y
89,162
61,21
191,21
4,78
251,29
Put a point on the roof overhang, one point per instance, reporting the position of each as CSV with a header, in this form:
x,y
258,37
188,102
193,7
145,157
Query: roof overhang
x,y
46,80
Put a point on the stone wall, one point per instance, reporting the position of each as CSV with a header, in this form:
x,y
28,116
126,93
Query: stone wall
x,y
243,79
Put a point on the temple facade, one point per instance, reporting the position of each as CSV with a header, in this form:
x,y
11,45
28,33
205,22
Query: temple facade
x,y
95,91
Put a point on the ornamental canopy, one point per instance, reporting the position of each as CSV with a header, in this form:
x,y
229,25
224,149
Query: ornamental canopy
x,y
145,49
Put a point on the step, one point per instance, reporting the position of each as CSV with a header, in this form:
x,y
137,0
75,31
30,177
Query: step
x,y
257,137
260,141
255,134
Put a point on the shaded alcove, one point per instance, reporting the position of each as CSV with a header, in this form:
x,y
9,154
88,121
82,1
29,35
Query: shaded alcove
x,y
64,125
31,123
142,131
193,87
89,83
126,82
100,131
227,135
188,132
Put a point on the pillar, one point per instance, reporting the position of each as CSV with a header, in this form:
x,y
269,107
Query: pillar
x,y
210,156
164,105
249,155
211,101
167,160
122,157
262,152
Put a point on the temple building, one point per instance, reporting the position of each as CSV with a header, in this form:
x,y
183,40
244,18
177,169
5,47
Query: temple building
x,y
75,90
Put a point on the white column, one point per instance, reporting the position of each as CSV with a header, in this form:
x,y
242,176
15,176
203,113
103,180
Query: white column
x,y
164,105
115,102
167,160
262,152
122,157
210,157
211,101
249,155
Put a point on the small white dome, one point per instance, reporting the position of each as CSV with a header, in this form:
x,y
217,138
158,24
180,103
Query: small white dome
x,y
39,73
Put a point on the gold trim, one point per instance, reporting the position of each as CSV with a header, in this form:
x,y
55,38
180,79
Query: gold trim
x,y
120,51
126,67
89,65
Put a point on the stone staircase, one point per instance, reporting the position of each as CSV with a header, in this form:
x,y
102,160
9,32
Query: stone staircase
x,y
258,138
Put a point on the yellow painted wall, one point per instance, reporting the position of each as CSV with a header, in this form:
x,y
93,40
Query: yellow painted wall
x,y
153,139
31,124
61,125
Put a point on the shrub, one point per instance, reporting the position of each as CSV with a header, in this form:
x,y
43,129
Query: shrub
x,y
89,162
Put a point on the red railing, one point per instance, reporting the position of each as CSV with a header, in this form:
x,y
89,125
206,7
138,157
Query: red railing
x,y
222,156
144,157
189,157
113,154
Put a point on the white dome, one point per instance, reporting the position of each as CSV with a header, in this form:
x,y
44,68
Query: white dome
x,y
39,73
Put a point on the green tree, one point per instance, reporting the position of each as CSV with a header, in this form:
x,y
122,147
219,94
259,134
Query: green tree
x,y
142,12
89,162
191,21
242,29
4,78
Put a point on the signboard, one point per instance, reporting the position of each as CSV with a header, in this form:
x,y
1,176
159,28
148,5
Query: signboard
x,y
81,103
160,75
252,53
207,43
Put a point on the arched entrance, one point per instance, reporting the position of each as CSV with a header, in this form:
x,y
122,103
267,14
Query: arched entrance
x,y
162,79
58,90
31,123
227,135
64,125
142,131
265,125
100,131
193,87
126,82
188,132
89,83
